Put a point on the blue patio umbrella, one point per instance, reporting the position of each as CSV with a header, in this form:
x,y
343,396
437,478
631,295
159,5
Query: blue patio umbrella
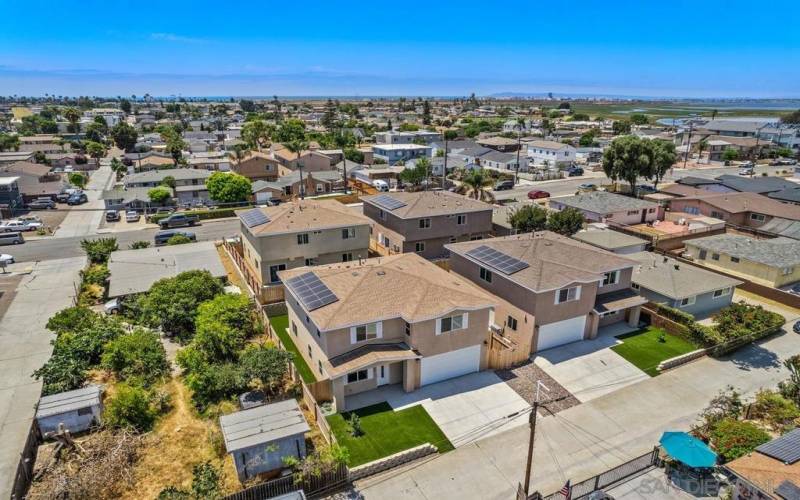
x,y
688,449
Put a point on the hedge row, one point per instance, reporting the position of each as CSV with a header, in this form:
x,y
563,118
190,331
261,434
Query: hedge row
x,y
217,213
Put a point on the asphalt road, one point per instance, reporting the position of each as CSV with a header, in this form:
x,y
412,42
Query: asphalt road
x,y
59,248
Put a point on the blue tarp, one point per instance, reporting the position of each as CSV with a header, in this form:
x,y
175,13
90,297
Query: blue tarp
x,y
688,449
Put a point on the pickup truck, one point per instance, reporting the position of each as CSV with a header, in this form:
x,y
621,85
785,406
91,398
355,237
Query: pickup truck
x,y
18,225
178,220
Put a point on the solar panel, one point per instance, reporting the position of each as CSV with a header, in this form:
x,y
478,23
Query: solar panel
x,y
311,291
785,448
788,490
388,202
497,260
254,217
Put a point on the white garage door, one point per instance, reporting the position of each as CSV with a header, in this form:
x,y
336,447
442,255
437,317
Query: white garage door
x,y
450,364
561,332
263,197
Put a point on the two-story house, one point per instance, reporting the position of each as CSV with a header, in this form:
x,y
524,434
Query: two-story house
x,y
300,233
551,290
190,183
423,222
389,320
259,167
551,153
394,153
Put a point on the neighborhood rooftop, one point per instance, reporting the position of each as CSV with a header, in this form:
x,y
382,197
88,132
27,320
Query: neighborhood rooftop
x,y
600,202
304,215
674,279
429,203
778,252
608,239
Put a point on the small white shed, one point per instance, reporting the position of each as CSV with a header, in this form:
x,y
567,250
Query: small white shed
x,y
259,438
78,410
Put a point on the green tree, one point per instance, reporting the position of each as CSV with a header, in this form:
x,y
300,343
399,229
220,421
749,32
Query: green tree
x,y
628,158
639,119
793,117
72,115
663,158
567,222
77,179
137,355
247,105
178,239
96,150
417,174
266,366
159,194
730,154
528,218
98,250
426,112
476,184
297,146
9,142
95,132
408,127
222,326
228,187
124,136
125,106
129,408
256,133
621,127
733,438
138,245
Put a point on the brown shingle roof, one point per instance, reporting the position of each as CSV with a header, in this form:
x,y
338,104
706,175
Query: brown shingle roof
x,y
764,472
431,203
306,215
749,202
26,167
400,286
367,355
554,261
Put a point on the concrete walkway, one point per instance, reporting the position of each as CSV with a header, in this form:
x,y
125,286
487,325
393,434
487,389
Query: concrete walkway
x,y
83,220
24,347
590,438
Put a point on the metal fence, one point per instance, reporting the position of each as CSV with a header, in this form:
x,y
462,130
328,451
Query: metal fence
x,y
607,478
313,486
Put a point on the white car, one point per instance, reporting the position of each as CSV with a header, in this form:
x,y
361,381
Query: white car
x,y
132,216
6,259
18,225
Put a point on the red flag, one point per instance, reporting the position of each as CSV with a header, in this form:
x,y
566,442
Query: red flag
x,y
566,491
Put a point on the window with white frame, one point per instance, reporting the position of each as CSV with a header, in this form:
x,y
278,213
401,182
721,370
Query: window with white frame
x,y
722,292
787,271
311,261
358,376
486,275
635,286
688,301
419,246
302,239
611,278
424,223
365,332
692,210
348,233
451,323
757,217
461,220
568,294
347,257
512,323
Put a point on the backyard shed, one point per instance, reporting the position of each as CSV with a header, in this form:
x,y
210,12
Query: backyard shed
x,y
259,438
78,410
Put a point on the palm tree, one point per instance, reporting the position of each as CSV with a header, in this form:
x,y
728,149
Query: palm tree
x,y
297,146
475,184
701,146
72,115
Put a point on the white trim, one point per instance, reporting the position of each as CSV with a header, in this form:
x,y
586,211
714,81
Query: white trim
x,y
690,301
725,292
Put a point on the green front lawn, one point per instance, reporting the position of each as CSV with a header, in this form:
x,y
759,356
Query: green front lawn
x,y
643,349
387,432
280,324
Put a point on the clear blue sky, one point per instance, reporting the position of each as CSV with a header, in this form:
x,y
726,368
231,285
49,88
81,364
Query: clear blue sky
x,y
340,47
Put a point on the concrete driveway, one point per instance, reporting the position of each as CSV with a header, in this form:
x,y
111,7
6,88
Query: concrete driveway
x,y
589,369
466,408
83,220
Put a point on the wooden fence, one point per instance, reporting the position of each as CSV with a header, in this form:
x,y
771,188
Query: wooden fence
x,y
504,352
24,473
319,417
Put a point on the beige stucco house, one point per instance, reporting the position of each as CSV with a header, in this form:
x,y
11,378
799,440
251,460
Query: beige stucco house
x,y
552,290
389,320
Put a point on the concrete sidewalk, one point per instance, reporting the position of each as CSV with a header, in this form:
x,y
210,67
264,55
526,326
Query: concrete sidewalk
x,y
24,347
83,220
590,438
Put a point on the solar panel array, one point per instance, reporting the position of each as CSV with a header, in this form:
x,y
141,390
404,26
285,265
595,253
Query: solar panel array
x,y
497,260
788,489
311,291
785,448
388,202
254,217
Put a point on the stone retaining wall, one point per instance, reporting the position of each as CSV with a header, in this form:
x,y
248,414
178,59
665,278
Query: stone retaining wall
x,y
392,461
275,309
677,361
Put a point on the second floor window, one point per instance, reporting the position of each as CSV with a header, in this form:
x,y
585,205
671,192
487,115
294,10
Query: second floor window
x,y
366,332
348,233
486,275
273,272
302,239
568,294
419,247
452,323
461,220
611,278
512,323
424,223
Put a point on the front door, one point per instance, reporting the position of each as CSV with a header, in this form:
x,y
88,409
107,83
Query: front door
x,y
382,374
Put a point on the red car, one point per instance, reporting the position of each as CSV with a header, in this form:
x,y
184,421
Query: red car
x,y
538,194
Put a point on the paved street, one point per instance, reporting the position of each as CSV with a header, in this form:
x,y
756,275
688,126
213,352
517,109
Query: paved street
x,y
84,219
582,441
24,347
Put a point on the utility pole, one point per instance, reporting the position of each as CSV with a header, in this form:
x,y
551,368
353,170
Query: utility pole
x,y
444,169
532,423
688,144
519,143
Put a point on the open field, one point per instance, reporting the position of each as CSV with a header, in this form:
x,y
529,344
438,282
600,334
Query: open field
x,y
657,110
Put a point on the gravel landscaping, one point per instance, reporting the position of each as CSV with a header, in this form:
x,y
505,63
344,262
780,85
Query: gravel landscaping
x,y
523,380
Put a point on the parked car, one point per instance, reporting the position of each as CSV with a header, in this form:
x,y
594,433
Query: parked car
x,y
113,306
178,220
77,198
381,185
796,327
747,171
6,259
782,161
645,189
586,187
18,225
64,195
574,171
504,185
112,216
42,204
132,216
162,237
12,238
536,194
159,213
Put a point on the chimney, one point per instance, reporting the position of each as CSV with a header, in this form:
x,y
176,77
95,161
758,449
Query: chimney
x,y
677,267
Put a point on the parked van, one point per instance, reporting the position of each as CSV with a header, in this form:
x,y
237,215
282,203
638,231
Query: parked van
x,y
12,238
380,185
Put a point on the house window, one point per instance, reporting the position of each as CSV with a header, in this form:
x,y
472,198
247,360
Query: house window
x,y
635,286
419,246
568,294
651,210
294,328
692,210
310,355
735,259
717,215
512,323
475,238
366,332
357,376
424,223
311,261
382,214
714,256
453,239
722,292
347,257
611,278
84,411
461,220
486,275
273,272
702,255
319,367
348,233
757,217
787,271
688,301
451,323
633,212
302,239
408,329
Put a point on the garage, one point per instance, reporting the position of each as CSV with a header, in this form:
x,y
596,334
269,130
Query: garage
x,y
561,332
450,364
